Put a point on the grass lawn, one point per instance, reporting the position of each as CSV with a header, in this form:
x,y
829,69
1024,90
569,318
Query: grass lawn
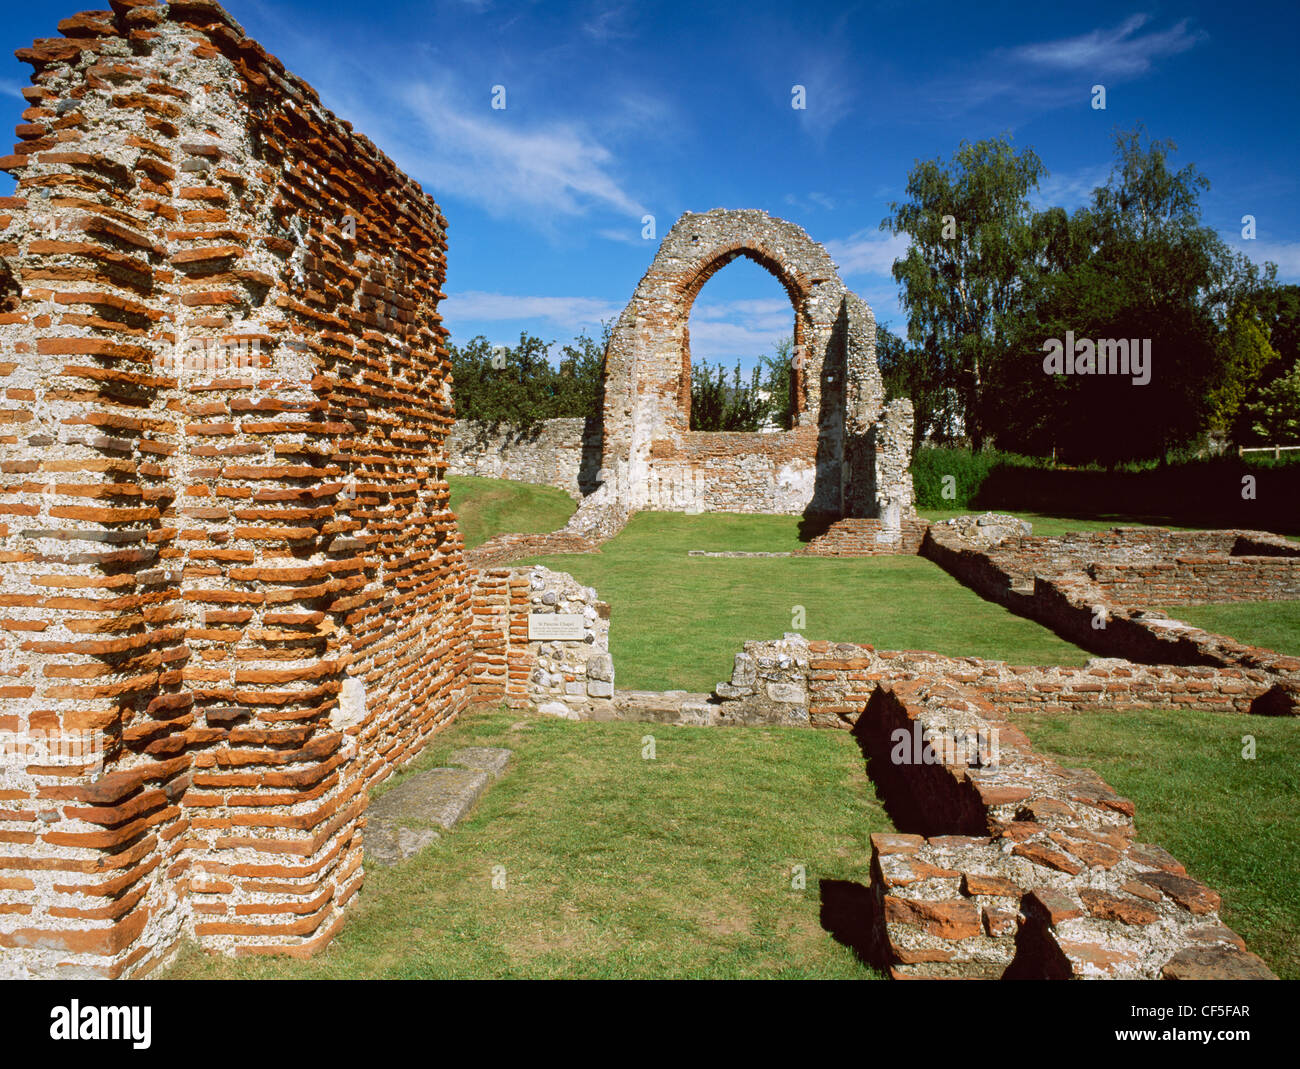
x,y
1275,625
487,507
678,621
616,866
1232,822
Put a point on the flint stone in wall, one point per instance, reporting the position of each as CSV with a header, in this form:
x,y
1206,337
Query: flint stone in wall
x,y
352,705
744,674
787,692
563,453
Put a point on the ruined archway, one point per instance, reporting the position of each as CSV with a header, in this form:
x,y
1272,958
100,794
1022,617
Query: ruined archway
x,y
823,464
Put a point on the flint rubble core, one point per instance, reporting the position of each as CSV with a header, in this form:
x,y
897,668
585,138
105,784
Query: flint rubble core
x,y
245,587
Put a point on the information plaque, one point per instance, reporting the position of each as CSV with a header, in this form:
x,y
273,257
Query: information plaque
x,y
556,625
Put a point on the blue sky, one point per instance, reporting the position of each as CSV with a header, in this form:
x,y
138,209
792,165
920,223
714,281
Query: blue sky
x,y
618,110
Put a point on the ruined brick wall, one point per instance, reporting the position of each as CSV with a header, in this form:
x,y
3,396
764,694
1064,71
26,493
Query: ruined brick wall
x,y
498,621
1011,866
227,555
867,537
564,453
832,682
1198,580
1055,581
1155,566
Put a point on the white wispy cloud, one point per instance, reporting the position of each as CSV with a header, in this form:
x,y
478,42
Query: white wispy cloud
x,y
629,236
868,252
508,167
761,313
1025,80
1070,189
811,201
569,313
1286,254
1121,50
608,23
717,341
543,170
744,329
828,93
11,89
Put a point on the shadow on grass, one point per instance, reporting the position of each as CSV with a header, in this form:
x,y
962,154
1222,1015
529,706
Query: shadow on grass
x,y
1201,493
812,524
848,916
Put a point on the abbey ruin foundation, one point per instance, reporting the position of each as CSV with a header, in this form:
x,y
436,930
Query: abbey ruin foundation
x,y
233,595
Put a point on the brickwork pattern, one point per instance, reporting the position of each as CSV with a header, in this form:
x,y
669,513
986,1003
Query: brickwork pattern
x,y
1016,867
239,574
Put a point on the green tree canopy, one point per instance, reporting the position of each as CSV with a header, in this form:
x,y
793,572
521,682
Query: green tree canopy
x,y
971,230
521,386
1135,264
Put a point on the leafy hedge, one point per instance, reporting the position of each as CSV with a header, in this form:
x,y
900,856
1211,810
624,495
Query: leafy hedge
x,y
1204,491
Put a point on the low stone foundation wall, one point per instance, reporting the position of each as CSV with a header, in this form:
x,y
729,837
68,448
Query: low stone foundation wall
x,y
1145,565
1067,599
830,683
1011,866
504,548
1198,580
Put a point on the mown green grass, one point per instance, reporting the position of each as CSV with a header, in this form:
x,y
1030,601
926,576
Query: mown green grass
x,y
616,866
487,507
1275,625
1232,822
678,621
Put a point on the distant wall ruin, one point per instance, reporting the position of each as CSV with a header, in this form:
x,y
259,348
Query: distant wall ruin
x,y
825,462
564,453
847,452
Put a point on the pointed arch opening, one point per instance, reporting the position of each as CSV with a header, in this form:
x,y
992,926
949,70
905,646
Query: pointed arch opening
x,y
767,335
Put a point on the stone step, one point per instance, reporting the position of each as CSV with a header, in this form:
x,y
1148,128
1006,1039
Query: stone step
x,y
490,759
406,819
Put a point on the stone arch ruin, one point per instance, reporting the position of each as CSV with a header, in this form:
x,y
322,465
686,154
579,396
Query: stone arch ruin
x,y
846,453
